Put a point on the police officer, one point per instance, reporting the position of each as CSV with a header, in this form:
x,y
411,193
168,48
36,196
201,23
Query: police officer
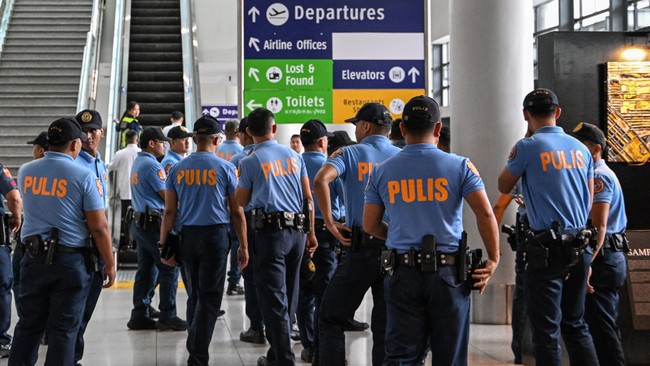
x,y
202,186
40,145
556,173
274,180
517,242
427,299
9,192
63,208
231,146
359,269
608,267
89,157
255,333
147,189
129,121
314,138
179,146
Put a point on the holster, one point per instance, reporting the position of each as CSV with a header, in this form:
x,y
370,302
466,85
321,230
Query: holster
x,y
469,261
537,253
128,217
277,221
388,260
91,256
35,246
429,262
5,230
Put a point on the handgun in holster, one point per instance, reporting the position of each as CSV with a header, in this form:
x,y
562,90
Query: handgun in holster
x,y
91,256
388,260
50,245
154,219
537,254
470,260
574,246
307,208
258,219
5,230
511,232
128,216
428,259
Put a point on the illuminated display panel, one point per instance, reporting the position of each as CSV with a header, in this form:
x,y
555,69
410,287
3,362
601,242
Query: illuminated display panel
x,y
628,112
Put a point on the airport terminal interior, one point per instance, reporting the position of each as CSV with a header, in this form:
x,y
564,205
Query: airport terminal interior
x,y
324,59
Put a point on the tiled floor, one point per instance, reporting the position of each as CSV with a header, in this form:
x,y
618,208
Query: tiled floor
x,y
108,342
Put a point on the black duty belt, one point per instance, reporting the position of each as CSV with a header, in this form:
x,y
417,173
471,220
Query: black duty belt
x,y
61,248
277,220
319,225
443,259
369,241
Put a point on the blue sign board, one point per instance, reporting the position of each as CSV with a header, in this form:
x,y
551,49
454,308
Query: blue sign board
x,y
222,113
383,74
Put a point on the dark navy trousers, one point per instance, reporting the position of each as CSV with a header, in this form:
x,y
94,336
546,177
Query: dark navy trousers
x,y
94,290
251,296
609,270
555,297
234,274
278,254
358,271
204,253
519,302
312,292
423,307
6,282
150,272
53,297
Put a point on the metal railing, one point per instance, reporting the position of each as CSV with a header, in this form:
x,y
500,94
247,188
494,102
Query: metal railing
x,y
191,84
90,63
119,72
6,7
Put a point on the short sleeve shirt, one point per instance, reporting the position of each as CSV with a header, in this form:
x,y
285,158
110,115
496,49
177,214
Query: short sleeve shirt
x,y
147,179
6,185
314,161
554,169
227,149
421,202
98,168
607,189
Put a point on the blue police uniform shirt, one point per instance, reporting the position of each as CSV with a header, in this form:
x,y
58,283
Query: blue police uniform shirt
x,y
170,159
242,154
56,192
608,189
98,168
421,201
227,149
554,169
314,161
353,165
6,185
273,173
203,183
147,179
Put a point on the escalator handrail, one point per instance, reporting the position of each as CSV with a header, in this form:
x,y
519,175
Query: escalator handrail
x,y
191,84
6,8
90,63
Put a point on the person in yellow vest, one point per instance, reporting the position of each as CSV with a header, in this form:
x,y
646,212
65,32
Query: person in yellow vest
x,y
129,122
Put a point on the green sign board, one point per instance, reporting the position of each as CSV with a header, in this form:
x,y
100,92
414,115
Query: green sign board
x,y
287,74
291,106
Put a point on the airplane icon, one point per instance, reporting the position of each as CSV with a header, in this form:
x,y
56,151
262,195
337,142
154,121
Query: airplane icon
x,y
275,13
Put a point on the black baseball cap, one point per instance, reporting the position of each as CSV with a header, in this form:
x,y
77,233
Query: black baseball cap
x,y
152,134
89,118
589,132
541,100
177,115
313,130
41,140
373,112
207,125
63,130
243,124
420,110
179,132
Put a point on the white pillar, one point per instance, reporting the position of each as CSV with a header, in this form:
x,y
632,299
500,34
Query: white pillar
x,y
491,44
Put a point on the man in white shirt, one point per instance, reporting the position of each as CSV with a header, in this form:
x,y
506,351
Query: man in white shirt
x,y
121,163
176,119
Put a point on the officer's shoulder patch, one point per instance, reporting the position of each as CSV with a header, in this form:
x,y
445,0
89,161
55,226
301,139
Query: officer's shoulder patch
x,y
161,174
599,185
105,176
513,152
7,173
472,167
336,153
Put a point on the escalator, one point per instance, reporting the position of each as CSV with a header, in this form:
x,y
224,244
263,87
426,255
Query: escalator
x,y
155,68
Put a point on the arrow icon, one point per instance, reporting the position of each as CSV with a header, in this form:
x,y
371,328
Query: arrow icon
x,y
252,73
252,105
254,13
252,42
413,73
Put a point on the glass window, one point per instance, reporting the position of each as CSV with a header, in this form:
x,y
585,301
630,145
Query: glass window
x,y
592,6
598,22
547,16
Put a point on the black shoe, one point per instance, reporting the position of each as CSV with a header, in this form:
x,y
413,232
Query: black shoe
x,y
295,333
253,336
315,358
307,354
173,324
263,361
153,313
221,313
4,350
356,326
234,289
141,324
